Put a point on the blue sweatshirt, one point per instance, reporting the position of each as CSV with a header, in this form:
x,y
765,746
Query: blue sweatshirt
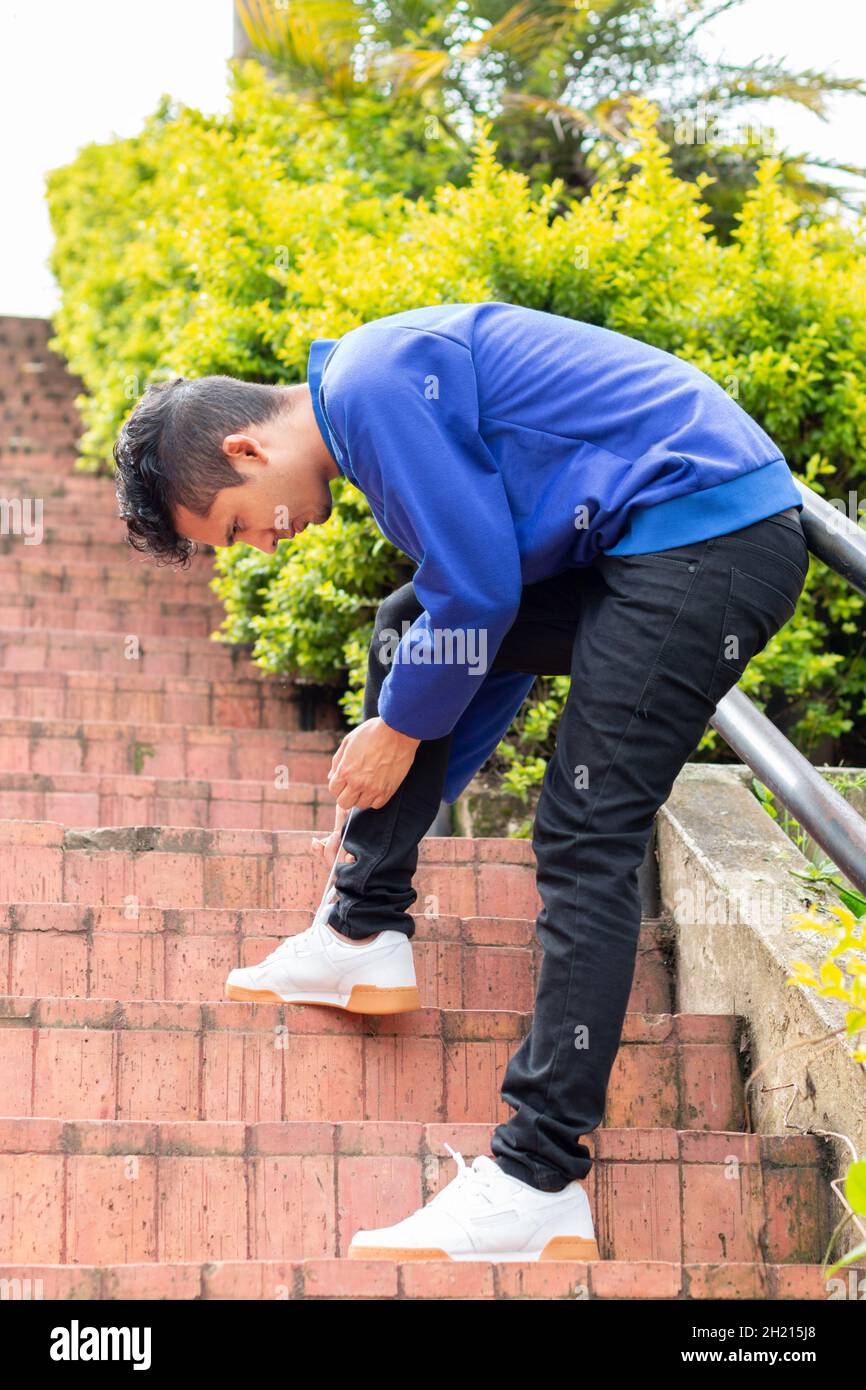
x,y
499,445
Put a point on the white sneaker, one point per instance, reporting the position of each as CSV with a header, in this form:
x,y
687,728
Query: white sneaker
x,y
317,967
484,1214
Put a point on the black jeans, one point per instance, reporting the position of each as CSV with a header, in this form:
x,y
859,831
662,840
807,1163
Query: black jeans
x,y
652,643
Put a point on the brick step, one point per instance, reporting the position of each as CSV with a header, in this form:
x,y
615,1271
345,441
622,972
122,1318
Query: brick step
x,y
21,329
24,407
17,465
163,750
32,405
190,617
39,380
29,354
53,649
18,439
36,377
29,350
25,420
260,702
34,366
59,440
53,513
79,542
138,1193
80,518
32,402
33,362
40,862
84,801
21,372
71,521
24,412
51,461
31,571
81,511
100,541
422,1280
74,488
113,1059
25,348
34,393
473,963
115,563
30,362
27,416
34,389
30,365
83,547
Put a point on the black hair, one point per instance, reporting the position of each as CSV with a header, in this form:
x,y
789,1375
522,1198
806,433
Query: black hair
x,y
169,453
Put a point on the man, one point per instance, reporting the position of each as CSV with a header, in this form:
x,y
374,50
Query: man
x,y
577,502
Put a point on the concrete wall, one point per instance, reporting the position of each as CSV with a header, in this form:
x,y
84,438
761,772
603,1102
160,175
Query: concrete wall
x,y
725,878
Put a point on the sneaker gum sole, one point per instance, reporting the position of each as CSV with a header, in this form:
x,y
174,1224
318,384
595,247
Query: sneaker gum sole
x,y
363,999
580,1248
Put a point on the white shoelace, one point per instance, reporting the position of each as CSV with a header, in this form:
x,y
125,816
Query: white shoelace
x,y
291,942
469,1179
335,863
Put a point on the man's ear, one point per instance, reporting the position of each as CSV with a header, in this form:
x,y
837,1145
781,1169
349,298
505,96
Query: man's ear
x,y
238,447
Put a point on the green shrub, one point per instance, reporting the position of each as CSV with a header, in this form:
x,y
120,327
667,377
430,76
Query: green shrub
x,y
225,245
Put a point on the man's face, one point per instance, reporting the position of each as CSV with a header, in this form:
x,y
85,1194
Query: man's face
x,y
285,490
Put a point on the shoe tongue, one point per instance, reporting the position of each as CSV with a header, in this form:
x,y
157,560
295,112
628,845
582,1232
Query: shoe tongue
x,y
486,1165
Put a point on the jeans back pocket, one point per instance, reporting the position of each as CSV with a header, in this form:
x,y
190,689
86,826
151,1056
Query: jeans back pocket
x,y
755,611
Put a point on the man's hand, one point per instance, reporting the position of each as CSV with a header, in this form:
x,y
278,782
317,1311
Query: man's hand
x,y
370,764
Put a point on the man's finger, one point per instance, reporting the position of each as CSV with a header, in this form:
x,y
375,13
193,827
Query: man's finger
x,y
337,782
338,756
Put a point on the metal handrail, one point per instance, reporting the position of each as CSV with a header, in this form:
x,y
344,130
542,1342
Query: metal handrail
x,y
834,538
829,818
820,809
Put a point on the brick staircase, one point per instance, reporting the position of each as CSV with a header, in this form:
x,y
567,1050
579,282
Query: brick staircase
x,y
160,1142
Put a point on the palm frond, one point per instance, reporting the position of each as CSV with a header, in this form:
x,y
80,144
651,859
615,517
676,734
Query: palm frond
x,y
705,13
559,111
835,166
521,33
414,68
318,36
761,81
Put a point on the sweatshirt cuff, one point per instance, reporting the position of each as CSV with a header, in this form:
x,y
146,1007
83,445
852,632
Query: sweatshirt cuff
x,y
417,721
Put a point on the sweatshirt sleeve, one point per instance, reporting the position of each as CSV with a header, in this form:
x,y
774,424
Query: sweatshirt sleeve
x,y
405,404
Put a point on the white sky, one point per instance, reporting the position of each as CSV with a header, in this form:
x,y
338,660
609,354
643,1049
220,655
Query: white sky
x,y
72,71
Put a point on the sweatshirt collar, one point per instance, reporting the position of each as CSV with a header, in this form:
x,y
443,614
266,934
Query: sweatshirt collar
x,y
320,349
